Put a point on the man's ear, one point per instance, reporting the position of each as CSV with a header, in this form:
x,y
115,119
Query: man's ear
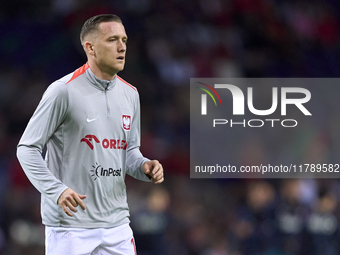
x,y
89,49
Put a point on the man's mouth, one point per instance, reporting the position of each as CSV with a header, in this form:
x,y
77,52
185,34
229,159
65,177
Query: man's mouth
x,y
121,58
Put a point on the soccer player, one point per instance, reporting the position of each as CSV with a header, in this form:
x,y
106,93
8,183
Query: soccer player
x,y
90,122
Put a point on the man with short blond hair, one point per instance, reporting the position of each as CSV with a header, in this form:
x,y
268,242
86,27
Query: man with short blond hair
x,y
90,122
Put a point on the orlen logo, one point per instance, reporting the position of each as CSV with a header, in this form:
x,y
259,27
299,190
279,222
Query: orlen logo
x,y
239,103
106,143
88,139
98,171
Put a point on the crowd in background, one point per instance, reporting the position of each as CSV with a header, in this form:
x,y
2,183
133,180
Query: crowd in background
x,y
170,42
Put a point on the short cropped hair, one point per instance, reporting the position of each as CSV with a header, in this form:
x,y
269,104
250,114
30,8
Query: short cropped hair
x,y
92,24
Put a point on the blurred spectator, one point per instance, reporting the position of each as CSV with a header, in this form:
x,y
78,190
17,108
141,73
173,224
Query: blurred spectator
x,y
291,216
322,225
255,227
150,223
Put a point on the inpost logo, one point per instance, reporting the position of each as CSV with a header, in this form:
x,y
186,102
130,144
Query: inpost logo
x,y
98,171
302,96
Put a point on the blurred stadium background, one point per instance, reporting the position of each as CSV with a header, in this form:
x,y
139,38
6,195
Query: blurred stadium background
x,y
169,42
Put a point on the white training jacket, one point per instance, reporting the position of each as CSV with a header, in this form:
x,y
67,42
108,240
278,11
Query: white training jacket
x,y
92,131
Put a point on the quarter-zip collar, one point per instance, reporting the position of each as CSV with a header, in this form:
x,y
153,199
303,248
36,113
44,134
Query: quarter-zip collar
x,y
98,83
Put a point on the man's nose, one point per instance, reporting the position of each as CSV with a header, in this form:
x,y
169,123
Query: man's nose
x,y
121,46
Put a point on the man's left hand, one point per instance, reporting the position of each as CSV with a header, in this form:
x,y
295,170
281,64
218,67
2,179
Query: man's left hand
x,y
154,170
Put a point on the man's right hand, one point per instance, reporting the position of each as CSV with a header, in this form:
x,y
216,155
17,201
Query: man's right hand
x,y
69,200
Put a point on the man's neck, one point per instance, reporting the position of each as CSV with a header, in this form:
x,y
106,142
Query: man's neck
x,y
100,74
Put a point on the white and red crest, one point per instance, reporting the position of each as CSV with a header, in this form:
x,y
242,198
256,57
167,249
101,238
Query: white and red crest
x,y
126,122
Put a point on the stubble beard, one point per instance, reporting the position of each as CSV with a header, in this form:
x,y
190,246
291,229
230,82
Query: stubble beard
x,y
112,69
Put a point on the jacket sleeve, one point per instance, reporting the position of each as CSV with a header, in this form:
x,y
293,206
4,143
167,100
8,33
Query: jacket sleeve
x,y
48,116
134,158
